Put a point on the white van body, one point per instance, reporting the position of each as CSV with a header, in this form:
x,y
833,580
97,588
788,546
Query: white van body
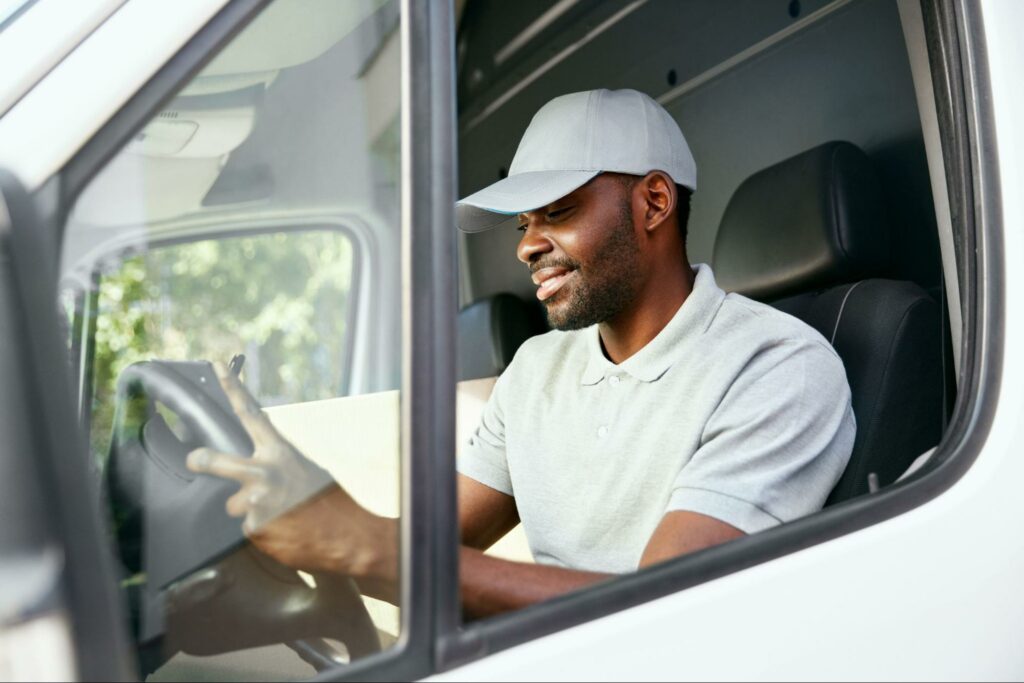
x,y
931,593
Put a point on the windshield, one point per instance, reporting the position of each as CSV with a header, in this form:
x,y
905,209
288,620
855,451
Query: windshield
x,y
10,10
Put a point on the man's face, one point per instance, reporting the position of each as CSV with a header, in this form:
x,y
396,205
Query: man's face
x,y
583,253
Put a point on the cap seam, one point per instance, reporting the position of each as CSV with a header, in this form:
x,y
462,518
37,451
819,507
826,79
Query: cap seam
x,y
589,129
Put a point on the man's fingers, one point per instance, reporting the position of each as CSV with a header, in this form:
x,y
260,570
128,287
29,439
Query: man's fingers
x,y
237,505
245,499
209,461
246,407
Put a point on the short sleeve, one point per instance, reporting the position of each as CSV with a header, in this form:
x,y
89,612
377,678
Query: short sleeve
x,y
776,444
484,457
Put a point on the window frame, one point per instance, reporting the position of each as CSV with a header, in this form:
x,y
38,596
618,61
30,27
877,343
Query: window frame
x,y
956,50
83,339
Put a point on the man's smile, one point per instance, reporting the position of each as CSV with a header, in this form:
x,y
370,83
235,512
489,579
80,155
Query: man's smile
x,y
550,280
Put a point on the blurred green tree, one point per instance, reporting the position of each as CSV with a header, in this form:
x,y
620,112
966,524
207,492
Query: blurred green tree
x,y
281,298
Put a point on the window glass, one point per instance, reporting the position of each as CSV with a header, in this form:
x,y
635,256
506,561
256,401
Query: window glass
x,y
281,299
9,9
249,235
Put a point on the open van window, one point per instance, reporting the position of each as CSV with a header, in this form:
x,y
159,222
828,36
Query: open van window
x,y
814,197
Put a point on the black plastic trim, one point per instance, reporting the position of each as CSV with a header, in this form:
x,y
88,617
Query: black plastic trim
x,y
95,611
951,109
956,50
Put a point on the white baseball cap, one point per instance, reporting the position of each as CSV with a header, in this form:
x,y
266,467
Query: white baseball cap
x,y
574,138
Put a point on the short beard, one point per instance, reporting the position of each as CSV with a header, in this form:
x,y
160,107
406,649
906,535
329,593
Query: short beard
x,y
606,285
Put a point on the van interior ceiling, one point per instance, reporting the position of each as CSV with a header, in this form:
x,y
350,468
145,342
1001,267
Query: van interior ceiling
x,y
749,84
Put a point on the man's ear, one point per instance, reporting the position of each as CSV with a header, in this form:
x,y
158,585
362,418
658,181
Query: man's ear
x,y
658,192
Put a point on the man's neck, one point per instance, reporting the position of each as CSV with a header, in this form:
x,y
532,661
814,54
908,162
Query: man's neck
x,y
657,304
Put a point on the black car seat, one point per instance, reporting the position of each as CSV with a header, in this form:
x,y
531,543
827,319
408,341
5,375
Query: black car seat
x,y
809,236
490,331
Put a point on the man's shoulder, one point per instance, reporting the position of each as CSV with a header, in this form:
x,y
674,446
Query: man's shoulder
x,y
762,341
754,325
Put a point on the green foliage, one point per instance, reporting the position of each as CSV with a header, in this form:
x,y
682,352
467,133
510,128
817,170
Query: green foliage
x,y
280,298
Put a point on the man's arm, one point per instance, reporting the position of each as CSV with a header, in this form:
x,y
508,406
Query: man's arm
x,y
485,514
491,585
681,532
332,532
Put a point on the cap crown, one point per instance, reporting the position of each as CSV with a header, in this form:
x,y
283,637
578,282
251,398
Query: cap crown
x,y
621,131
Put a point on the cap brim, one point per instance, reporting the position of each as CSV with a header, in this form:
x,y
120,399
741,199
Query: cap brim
x,y
504,200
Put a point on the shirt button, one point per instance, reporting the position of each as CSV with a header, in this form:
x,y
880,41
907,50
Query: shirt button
x,y
602,432
614,380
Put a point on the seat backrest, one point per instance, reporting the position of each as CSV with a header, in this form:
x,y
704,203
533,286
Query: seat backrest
x,y
809,236
887,333
491,330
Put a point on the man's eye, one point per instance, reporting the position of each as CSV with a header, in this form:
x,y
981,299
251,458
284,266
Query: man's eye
x,y
559,212
521,228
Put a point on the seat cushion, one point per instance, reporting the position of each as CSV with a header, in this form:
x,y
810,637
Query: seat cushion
x,y
888,334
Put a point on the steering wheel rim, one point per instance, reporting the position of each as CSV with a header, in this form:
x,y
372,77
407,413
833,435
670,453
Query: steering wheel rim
x,y
206,417
337,610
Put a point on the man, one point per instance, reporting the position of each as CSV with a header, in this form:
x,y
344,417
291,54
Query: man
x,y
662,416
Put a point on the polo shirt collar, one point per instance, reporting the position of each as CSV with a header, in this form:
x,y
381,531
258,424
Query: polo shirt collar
x,y
654,360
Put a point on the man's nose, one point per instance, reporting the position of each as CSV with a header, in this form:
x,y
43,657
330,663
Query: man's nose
x,y
533,243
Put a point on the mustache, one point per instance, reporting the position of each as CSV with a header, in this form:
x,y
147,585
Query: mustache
x,y
553,262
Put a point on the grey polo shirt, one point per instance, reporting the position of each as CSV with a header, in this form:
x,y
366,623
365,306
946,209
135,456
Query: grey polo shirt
x,y
735,410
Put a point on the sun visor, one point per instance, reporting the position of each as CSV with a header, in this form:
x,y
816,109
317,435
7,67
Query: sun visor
x,y
314,26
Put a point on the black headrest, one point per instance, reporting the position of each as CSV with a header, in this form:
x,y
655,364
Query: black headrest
x,y
810,222
491,330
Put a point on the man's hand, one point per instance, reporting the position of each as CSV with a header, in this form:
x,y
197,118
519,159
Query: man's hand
x,y
293,509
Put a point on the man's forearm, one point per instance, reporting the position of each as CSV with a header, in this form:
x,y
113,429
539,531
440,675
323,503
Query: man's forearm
x,y
491,585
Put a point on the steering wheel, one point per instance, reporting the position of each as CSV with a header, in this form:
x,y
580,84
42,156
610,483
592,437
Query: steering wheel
x,y
207,590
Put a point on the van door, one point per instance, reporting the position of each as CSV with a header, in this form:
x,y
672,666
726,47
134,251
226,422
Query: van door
x,y
280,189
